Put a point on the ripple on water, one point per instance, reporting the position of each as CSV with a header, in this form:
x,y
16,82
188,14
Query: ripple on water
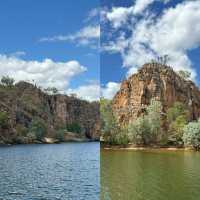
x,y
150,175
49,172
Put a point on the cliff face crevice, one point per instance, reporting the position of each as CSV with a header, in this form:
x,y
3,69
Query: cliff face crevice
x,y
24,102
159,82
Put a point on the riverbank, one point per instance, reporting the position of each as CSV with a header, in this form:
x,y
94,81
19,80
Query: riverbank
x,y
48,140
132,147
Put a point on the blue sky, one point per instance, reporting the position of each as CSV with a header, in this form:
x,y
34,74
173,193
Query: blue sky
x,y
56,43
30,32
135,31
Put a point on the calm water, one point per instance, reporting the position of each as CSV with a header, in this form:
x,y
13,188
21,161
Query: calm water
x,y
155,175
50,172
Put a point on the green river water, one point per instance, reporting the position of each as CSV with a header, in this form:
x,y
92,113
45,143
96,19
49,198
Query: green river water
x,y
150,175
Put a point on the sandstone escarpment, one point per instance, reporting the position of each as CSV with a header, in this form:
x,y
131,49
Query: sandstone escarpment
x,y
159,82
23,102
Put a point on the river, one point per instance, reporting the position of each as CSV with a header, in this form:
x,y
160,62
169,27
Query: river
x,y
50,172
150,175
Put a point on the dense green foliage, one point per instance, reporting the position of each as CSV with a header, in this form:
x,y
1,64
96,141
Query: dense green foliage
x,y
191,136
146,129
60,135
184,74
175,111
38,128
112,133
74,127
177,117
149,128
4,120
7,81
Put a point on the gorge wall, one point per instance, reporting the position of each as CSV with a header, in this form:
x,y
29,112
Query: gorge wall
x,y
159,82
24,101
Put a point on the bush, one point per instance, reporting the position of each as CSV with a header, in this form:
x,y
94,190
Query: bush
x,y
4,120
109,125
177,117
146,129
191,135
60,135
7,81
121,138
38,128
73,127
184,74
176,129
175,111
139,131
21,130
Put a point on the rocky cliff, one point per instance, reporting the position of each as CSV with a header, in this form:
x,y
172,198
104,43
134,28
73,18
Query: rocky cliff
x,y
159,82
23,102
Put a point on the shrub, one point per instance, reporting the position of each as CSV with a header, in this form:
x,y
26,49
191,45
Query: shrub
x,y
184,74
4,120
74,127
139,131
176,110
38,128
21,130
177,117
145,129
191,135
176,129
121,138
60,135
109,125
7,81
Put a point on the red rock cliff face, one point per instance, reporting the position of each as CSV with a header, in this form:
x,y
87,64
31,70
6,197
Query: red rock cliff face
x,y
159,82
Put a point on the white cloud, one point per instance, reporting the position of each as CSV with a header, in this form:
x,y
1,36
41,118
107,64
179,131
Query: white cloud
x,y
89,35
118,15
141,5
95,12
90,92
45,73
110,90
18,54
174,33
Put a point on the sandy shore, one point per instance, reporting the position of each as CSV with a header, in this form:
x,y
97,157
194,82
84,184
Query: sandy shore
x,y
145,148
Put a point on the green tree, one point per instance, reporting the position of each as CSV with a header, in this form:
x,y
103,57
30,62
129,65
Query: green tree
x,y
176,110
177,117
191,136
146,129
4,120
154,111
7,81
51,90
139,131
38,128
60,135
184,74
109,125
74,127
176,129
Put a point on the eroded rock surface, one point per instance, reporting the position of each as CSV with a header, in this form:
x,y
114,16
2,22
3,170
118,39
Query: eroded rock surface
x,y
159,82
24,101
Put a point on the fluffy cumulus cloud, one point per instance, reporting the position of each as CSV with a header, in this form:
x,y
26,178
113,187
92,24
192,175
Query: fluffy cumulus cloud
x,y
174,32
90,92
109,90
46,73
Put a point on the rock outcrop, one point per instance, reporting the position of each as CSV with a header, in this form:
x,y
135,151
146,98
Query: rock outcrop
x,y
24,102
159,82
